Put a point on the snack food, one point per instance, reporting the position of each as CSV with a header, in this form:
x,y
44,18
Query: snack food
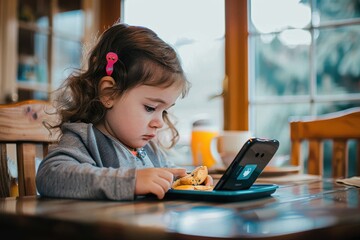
x,y
193,181
185,187
203,188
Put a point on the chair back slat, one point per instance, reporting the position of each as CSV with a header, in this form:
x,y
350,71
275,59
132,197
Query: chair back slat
x,y
26,153
358,158
315,166
4,174
340,158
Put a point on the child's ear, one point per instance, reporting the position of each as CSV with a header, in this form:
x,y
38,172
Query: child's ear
x,y
106,85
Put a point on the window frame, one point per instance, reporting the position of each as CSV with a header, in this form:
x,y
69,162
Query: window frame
x,y
236,94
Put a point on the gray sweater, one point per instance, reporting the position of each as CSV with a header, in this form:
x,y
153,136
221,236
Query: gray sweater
x,y
86,164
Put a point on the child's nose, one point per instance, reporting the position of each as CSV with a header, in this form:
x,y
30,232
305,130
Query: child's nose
x,y
157,122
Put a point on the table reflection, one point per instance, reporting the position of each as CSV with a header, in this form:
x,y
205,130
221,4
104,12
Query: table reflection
x,y
224,222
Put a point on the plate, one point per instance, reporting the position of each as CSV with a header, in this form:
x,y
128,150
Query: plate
x,y
270,171
256,191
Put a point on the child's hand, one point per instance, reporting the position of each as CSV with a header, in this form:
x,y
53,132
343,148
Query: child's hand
x,y
209,181
156,180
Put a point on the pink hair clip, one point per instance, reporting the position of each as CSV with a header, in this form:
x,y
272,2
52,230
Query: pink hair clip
x,y
111,59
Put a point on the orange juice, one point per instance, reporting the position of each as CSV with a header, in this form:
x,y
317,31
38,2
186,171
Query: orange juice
x,y
201,147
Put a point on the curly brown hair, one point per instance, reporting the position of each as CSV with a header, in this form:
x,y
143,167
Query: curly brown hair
x,y
143,59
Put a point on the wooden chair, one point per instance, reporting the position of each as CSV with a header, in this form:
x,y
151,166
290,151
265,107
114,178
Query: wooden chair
x,y
24,125
338,127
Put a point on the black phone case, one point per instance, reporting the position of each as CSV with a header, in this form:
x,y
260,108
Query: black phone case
x,y
248,164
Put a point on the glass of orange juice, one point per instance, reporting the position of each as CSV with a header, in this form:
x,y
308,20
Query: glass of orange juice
x,y
202,144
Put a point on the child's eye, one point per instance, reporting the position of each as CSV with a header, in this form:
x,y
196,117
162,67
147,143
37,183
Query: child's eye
x,y
165,112
149,109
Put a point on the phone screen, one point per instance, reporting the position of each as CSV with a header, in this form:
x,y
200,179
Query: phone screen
x,y
248,164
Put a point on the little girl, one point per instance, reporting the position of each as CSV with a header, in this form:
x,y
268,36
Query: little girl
x,y
111,114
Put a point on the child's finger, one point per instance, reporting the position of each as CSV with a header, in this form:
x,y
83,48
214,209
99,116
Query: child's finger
x,y
209,181
177,172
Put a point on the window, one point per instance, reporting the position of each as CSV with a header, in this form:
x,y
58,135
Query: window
x,y
50,43
199,41
304,59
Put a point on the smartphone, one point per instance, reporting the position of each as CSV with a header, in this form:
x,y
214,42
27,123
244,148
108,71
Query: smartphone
x,y
248,164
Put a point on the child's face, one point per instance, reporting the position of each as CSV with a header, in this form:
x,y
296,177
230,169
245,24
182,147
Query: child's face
x,y
137,115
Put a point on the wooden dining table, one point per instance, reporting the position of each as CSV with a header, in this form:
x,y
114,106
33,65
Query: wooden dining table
x,y
313,209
